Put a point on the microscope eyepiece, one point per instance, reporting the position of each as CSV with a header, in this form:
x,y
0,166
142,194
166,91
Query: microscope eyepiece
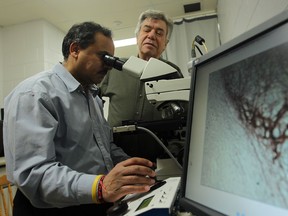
x,y
113,61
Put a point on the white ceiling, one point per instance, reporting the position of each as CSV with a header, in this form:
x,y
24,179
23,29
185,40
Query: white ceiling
x,y
118,15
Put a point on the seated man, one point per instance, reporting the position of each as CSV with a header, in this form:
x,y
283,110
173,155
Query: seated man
x,y
58,146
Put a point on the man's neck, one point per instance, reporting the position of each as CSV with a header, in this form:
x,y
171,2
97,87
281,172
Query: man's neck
x,y
146,57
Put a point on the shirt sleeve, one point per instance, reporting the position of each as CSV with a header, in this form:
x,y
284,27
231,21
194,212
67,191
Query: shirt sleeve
x,y
30,126
117,153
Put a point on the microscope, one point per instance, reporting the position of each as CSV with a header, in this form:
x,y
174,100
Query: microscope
x,y
165,88
168,91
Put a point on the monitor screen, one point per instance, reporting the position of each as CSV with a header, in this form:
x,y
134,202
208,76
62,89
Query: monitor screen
x,y
236,155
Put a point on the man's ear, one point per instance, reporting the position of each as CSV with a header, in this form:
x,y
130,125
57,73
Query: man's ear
x,y
165,45
167,41
74,49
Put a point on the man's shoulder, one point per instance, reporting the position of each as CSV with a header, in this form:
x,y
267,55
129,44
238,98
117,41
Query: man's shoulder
x,y
35,79
37,82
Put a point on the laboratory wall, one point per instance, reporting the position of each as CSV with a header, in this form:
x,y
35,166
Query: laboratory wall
x,y
238,16
27,49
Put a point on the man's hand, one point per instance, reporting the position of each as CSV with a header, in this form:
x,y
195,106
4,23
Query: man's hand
x,y
134,175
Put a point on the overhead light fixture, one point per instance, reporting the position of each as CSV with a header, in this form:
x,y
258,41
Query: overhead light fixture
x,y
125,42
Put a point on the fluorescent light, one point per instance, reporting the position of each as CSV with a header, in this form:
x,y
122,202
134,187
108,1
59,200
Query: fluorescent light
x,y
125,42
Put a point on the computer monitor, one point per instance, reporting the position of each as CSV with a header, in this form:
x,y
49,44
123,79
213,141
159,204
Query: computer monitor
x,y
236,155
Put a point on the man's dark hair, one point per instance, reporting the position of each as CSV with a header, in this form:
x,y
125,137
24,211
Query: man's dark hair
x,y
84,35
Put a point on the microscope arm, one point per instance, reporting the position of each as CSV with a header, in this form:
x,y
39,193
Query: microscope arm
x,y
160,91
153,69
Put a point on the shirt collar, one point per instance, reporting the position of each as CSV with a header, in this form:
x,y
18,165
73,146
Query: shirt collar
x,y
71,83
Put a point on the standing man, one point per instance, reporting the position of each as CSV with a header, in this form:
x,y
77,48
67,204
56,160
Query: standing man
x,y
127,94
58,146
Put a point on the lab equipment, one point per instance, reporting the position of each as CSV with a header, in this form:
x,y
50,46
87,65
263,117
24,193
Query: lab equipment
x,y
164,86
235,160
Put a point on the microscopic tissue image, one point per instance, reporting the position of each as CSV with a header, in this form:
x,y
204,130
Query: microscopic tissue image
x,y
246,131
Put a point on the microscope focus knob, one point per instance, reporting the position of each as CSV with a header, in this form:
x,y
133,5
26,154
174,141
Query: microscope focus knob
x,y
150,85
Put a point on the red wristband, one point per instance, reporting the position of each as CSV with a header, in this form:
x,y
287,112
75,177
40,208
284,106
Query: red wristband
x,y
100,190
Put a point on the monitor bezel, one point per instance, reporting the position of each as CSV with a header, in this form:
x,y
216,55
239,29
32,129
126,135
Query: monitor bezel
x,y
2,114
262,29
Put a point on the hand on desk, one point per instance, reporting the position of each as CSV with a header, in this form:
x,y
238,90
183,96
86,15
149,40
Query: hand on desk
x,y
128,177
